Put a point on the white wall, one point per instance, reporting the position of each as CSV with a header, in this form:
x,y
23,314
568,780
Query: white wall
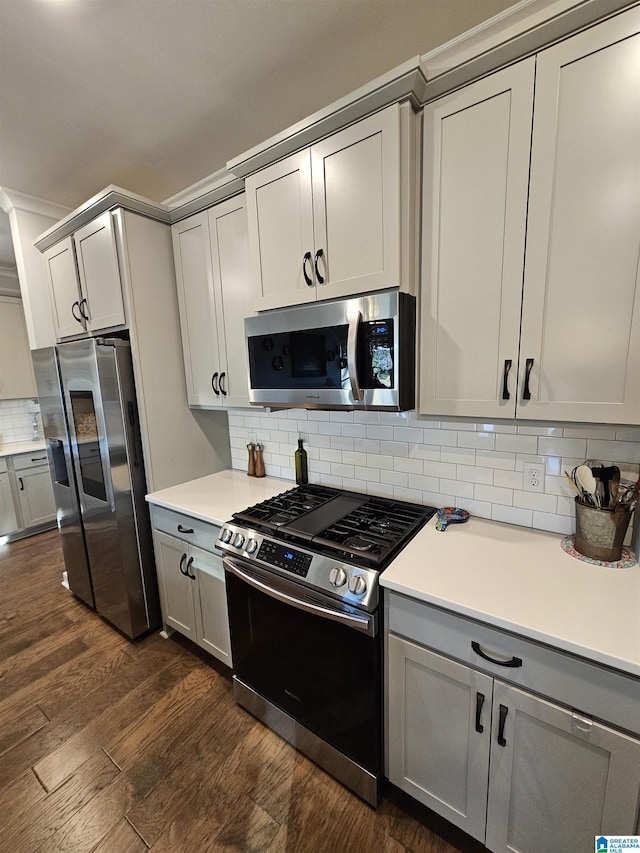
x,y
477,466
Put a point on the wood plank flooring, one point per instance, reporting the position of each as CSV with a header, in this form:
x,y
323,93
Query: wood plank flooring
x,y
119,747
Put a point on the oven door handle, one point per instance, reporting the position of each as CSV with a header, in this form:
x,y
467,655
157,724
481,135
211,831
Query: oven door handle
x,y
366,624
355,318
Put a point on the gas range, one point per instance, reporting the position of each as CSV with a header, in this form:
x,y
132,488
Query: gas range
x,y
330,540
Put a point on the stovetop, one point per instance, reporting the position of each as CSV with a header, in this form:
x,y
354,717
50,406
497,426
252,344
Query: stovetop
x,y
327,540
363,529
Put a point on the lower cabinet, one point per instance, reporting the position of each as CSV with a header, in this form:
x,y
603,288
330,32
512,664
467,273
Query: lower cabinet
x,y
26,494
192,591
35,495
514,770
8,519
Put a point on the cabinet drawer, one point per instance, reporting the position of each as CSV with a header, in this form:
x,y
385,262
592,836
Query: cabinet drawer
x,y
586,687
35,459
184,527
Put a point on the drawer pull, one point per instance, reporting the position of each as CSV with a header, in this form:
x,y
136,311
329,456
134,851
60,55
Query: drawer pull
x,y
182,559
479,704
182,529
38,458
513,662
501,723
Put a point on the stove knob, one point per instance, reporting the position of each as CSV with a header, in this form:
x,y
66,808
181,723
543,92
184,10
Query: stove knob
x,y
357,585
226,535
337,576
238,542
251,546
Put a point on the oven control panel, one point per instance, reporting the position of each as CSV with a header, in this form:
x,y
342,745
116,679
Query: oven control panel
x,y
349,584
289,559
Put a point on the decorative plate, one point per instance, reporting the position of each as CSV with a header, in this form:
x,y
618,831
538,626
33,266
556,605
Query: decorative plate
x,y
627,560
450,515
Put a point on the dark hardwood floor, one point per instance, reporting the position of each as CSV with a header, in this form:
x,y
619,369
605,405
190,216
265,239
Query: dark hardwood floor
x,y
107,745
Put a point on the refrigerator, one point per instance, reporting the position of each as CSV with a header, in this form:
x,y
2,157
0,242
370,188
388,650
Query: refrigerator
x,y
93,441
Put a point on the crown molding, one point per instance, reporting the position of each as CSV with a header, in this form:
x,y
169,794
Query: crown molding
x,y
11,200
107,199
206,192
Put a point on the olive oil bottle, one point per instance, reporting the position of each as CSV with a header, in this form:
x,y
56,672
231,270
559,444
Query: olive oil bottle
x,y
300,460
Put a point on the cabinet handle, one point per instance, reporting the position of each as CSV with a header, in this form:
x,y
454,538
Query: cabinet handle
x,y
21,481
505,379
189,564
73,311
503,718
526,394
514,662
80,304
479,704
319,254
182,529
223,390
307,257
182,559
38,458
214,384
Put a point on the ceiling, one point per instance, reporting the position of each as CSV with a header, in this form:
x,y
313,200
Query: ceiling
x,y
153,95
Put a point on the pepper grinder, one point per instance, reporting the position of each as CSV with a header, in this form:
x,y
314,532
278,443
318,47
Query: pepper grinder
x,y
251,463
259,461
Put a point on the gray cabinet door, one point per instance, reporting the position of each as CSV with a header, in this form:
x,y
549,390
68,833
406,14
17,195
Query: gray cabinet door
x,y
557,779
439,733
176,587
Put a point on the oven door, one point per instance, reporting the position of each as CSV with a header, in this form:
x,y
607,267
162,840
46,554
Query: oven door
x,y
319,665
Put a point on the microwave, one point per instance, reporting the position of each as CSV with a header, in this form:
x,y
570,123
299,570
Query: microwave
x,y
345,354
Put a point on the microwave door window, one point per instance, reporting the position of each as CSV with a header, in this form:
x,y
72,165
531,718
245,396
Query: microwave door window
x,y
313,358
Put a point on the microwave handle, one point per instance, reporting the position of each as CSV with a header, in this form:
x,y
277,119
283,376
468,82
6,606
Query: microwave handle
x,y
355,318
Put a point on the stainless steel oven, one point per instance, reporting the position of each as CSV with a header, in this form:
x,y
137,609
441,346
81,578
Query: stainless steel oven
x,y
301,573
310,669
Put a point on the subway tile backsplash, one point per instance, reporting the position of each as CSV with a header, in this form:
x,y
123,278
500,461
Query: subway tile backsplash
x,y
477,466
16,421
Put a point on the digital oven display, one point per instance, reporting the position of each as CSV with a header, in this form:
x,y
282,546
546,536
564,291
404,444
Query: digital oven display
x,y
285,558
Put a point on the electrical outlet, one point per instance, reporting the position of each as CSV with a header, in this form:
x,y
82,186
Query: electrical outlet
x,y
534,477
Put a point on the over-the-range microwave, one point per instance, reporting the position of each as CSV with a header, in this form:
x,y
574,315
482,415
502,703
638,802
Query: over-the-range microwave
x,y
344,354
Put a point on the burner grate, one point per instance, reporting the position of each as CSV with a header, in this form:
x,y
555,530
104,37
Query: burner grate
x,y
286,507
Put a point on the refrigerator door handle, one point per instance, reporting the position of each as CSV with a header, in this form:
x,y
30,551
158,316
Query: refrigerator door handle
x,y
131,411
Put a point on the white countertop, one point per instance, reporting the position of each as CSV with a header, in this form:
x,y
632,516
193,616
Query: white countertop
x,y
521,580
14,447
216,497
509,577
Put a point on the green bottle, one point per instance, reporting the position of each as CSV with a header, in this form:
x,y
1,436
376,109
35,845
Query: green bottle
x,y
300,459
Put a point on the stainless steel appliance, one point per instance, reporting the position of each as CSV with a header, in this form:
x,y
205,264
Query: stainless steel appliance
x,y
347,354
301,573
90,419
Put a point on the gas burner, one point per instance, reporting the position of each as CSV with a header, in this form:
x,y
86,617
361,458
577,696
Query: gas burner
x,y
280,519
359,544
380,527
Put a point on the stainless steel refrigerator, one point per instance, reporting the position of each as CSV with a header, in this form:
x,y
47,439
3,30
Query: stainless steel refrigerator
x,y
90,418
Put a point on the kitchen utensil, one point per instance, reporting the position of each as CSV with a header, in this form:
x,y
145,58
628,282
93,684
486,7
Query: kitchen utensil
x,y
587,481
614,485
450,515
572,483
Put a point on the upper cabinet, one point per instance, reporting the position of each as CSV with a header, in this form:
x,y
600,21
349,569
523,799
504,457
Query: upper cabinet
x,y
581,307
566,346
476,165
16,370
214,294
84,280
328,221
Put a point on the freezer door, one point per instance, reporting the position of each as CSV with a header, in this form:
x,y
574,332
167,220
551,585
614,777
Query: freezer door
x,y
54,420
